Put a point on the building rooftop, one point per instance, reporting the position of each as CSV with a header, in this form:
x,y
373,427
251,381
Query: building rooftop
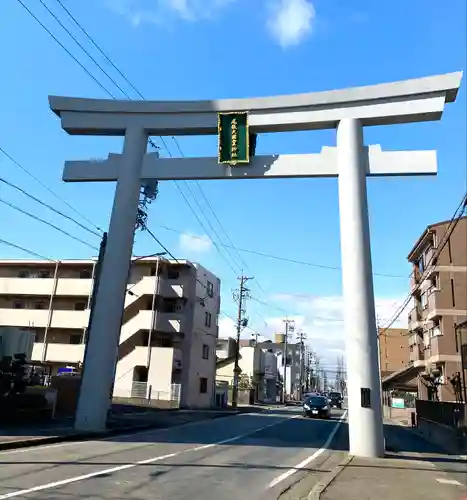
x,y
92,260
428,230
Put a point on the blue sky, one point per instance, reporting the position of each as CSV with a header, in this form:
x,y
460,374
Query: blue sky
x,y
197,49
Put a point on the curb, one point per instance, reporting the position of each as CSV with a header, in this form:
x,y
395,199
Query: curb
x,y
84,436
320,488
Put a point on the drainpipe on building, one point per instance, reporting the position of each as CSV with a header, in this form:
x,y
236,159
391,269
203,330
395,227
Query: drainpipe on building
x,y
458,332
50,312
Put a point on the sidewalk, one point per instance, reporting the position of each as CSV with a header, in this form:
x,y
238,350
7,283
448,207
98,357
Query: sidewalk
x,y
414,469
119,423
392,479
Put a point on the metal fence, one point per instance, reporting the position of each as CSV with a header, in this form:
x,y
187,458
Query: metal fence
x,y
446,413
144,394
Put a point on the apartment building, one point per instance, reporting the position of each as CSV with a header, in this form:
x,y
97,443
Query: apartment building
x,y
169,324
393,350
439,290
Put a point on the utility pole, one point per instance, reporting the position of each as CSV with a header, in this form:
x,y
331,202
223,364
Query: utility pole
x,y
301,336
241,295
289,328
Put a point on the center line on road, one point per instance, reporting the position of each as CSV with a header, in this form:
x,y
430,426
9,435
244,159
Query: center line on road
x,y
119,468
315,455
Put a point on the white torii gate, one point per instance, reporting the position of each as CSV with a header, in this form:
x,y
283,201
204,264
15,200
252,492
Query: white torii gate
x,y
346,110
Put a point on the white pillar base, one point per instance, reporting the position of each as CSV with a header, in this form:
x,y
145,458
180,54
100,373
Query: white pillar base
x,y
104,335
366,436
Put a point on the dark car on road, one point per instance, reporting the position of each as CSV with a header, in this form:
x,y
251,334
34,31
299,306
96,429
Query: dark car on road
x,y
316,406
336,399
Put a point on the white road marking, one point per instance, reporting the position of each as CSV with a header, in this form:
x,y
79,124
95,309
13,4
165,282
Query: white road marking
x,y
91,475
312,457
111,438
448,481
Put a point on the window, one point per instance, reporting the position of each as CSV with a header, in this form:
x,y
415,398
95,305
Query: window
x,y
23,274
207,319
75,339
80,306
420,265
210,289
85,274
17,304
205,351
39,305
44,274
435,282
172,274
203,385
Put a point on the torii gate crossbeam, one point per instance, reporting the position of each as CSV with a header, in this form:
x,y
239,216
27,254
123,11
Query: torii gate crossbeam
x,y
349,111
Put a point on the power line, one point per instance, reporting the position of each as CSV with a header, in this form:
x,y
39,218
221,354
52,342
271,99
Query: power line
x,y
173,138
102,86
25,250
97,46
14,186
47,223
24,169
231,244
282,258
77,61
50,11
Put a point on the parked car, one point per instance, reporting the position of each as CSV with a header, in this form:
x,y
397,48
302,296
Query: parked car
x,y
316,406
336,400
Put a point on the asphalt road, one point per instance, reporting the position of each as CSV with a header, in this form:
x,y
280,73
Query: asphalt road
x,y
247,457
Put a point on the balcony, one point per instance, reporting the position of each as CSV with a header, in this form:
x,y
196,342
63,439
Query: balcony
x,y
38,318
148,285
75,287
415,319
434,305
45,286
58,353
416,353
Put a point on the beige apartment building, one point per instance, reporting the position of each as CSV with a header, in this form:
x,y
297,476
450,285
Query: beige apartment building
x,y
439,304
169,325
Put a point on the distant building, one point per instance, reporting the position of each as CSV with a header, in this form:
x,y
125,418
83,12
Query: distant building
x,y
393,350
258,366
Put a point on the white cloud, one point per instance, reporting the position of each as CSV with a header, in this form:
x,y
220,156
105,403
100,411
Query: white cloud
x,y
190,242
159,11
322,319
291,21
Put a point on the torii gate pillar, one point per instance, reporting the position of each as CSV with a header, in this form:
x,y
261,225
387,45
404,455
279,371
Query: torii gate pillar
x,y
347,110
365,427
